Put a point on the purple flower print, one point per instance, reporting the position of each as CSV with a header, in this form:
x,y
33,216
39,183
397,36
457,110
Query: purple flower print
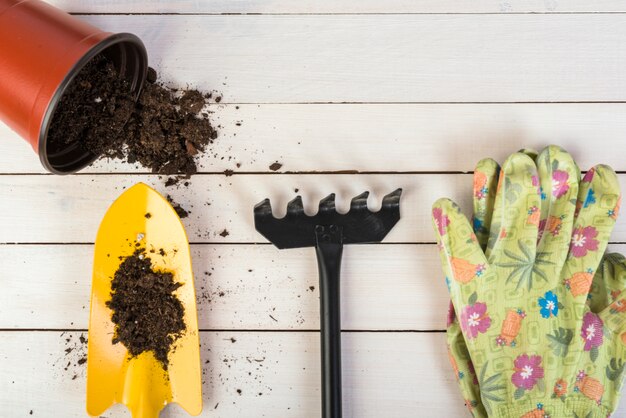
x,y
451,315
559,183
474,320
592,331
589,175
583,240
441,220
535,181
527,371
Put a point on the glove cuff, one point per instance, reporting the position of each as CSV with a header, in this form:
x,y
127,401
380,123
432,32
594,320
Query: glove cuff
x,y
553,408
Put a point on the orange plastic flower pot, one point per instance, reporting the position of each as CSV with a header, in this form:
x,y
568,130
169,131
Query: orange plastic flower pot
x,y
42,50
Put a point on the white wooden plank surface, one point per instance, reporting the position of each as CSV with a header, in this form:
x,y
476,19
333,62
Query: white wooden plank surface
x,y
69,209
55,209
384,287
416,72
241,287
406,137
346,6
384,374
388,58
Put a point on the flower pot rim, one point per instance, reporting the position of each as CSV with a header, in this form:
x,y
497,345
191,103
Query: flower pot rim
x,y
109,41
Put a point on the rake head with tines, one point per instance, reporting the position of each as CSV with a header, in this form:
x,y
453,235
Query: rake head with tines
x,y
327,231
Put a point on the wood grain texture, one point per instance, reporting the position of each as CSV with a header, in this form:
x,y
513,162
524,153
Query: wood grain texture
x,y
384,374
406,137
56,209
388,58
244,287
319,86
277,373
384,287
330,6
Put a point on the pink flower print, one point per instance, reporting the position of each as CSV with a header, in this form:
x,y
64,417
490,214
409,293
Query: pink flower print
x,y
535,181
559,183
589,175
583,240
451,315
474,320
592,331
441,220
527,371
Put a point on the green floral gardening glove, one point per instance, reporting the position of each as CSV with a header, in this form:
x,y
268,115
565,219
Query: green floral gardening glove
x,y
517,292
605,288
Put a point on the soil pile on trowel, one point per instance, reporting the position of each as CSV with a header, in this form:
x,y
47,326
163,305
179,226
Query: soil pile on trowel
x,y
162,131
147,314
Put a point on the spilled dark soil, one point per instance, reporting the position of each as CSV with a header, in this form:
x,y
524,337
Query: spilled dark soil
x,y
148,316
163,130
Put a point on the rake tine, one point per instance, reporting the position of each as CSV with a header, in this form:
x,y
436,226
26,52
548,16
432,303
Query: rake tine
x,y
327,204
295,207
263,208
392,200
359,202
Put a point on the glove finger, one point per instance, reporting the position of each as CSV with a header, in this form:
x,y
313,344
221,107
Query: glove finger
x,y
530,152
516,209
586,195
483,229
592,229
559,176
463,367
485,182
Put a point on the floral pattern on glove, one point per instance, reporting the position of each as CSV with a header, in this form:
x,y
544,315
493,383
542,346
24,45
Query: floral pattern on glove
x,y
583,240
592,331
441,220
560,185
475,320
549,304
528,371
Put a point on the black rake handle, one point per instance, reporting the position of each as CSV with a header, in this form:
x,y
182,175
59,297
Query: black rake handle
x,y
329,249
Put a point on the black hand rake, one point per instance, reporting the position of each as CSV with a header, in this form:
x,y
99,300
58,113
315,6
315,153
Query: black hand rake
x,y
328,231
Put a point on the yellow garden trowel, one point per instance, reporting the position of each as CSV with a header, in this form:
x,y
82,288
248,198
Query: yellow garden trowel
x,y
142,219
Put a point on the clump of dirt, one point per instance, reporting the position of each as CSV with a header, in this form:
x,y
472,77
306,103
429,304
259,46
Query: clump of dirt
x,y
148,316
180,211
162,131
276,166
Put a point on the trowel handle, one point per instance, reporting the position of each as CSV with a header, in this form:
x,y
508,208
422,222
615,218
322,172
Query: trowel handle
x,y
329,265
